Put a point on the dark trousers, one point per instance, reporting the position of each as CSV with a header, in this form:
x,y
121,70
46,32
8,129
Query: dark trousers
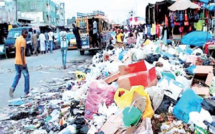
x,y
95,43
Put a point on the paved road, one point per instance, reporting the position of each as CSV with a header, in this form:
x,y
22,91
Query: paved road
x,y
41,68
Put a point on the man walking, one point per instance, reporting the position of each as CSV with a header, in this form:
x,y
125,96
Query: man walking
x,y
47,41
20,63
51,41
34,42
64,47
77,35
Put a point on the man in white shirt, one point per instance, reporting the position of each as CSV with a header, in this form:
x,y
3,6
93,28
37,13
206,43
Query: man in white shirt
x,y
51,41
126,35
64,46
95,30
42,43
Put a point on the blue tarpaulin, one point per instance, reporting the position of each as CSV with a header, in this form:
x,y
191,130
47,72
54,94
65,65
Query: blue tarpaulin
x,y
196,38
211,7
205,1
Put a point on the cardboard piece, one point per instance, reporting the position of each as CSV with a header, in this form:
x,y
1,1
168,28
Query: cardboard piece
x,y
144,78
112,78
65,110
112,124
140,102
132,68
203,73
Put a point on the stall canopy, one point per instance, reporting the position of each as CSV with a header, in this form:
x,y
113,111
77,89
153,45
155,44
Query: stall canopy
x,y
183,5
196,38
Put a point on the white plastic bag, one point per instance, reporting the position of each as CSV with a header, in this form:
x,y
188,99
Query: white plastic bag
x,y
145,127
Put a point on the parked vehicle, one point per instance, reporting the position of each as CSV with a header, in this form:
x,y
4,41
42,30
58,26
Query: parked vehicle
x,y
86,39
72,43
15,33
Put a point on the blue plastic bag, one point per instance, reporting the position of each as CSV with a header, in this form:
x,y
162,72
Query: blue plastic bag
x,y
189,102
191,70
121,54
188,51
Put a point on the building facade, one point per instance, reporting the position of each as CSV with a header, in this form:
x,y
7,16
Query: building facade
x,y
8,11
70,21
41,11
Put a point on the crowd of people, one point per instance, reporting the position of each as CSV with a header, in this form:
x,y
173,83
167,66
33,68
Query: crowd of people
x,y
46,40
128,36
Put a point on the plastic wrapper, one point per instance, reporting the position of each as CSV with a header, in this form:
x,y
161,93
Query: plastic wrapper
x,y
99,92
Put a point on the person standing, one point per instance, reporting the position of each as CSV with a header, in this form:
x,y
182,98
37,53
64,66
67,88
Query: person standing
x,y
64,47
21,64
77,35
126,35
95,29
34,42
47,41
42,43
51,41
119,39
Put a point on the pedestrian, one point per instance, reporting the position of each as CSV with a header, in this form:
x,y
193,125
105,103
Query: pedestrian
x,y
42,43
34,42
47,41
119,39
95,29
51,41
126,35
64,47
20,63
77,35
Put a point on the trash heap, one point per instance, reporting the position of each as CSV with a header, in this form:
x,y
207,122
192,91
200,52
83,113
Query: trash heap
x,y
149,89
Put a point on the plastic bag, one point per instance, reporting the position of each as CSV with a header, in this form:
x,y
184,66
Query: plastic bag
x,y
189,102
191,70
212,88
172,88
168,74
145,127
164,106
80,76
209,105
99,92
131,116
156,94
184,81
121,54
124,98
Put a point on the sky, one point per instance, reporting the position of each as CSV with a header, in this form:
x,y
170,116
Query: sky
x,y
116,10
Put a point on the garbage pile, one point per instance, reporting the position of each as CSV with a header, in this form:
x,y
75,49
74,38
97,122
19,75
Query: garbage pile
x,y
149,89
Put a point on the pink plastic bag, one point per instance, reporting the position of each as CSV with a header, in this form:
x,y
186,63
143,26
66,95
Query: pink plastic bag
x,y
99,92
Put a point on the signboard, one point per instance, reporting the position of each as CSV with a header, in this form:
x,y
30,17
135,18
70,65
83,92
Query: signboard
x,y
80,14
95,13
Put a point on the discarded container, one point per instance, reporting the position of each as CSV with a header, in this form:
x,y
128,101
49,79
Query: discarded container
x,y
202,80
144,78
